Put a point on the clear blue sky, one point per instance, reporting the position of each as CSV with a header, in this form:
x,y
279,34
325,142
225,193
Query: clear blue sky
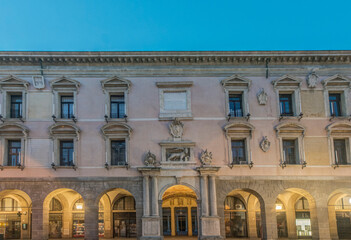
x,y
189,25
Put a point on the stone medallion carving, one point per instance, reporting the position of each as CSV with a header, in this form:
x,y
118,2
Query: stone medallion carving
x,y
150,159
176,129
262,97
265,144
38,82
206,158
312,79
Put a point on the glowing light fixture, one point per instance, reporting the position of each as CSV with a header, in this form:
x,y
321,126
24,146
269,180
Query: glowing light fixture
x,y
350,200
278,207
79,206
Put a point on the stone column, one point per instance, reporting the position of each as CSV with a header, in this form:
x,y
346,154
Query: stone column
x,y
269,223
37,221
323,219
204,195
155,211
213,196
146,197
91,219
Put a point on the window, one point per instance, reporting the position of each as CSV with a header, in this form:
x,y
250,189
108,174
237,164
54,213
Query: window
x,y
8,205
117,106
339,138
175,100
235,216
66,153
67,107
335,104
16,106
238,151
288,96
236,90
290,150
118,152
124,203
14,153
340,146
286,106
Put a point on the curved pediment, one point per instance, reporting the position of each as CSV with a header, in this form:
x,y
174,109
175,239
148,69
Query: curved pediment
x,y
116,129
290,128
236,81
64,83
238,128
287,81
12,81
342,128
337,81
64,129
13,129
115,83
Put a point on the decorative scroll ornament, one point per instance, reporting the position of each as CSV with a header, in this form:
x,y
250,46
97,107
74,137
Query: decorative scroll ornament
x,y
265,144
150,159
262,97
176,128
312,79
206,158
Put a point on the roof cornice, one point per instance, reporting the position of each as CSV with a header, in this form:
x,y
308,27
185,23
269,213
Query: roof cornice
x,y
160,58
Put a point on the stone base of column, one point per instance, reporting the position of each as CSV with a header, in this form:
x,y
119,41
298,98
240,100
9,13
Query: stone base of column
x,y
210,228
151,228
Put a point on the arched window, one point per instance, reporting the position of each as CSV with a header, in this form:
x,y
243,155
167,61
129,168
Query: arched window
x,y
55,205
343,216
303,219
282,225
79,205
235,217
302,204
9,205
124,203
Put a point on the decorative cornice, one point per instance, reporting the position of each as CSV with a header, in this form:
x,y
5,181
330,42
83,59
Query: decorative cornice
x,y
176,58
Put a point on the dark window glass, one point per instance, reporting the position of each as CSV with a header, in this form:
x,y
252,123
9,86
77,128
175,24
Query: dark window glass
x,y
16,106
14,153
117,106
335,104
235,105
282,225
66,153
340,151
286,107
67,106
290,151
124,203
118,152
238,152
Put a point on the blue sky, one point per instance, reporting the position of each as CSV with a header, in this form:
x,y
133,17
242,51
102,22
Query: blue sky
x,y
180,25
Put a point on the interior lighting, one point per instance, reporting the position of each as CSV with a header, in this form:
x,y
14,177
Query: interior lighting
x,y
79,206
278,207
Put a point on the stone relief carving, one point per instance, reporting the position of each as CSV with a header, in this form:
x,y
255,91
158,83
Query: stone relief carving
x,y
262,97
38,82
265,144
150,159
181,154
176,129
206,158
312,79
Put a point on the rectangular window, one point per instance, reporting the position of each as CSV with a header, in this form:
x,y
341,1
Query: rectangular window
x,y
335,104
16,106
340,152
118,152
67,103
117,106
235,105
175,101
238,152
285,104
66,153
14,153
290,151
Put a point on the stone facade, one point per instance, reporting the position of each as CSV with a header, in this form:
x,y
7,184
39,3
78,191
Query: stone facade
x,y
180,175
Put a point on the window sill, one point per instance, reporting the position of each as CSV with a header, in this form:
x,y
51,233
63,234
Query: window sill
x,y
14,119
173,115
237,118
339,118
11,167
64,167
116,119
108,167
65,120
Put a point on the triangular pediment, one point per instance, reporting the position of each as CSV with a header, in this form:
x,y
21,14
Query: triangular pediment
x,y
64,83
238,128
236,81
343,128
336,81
12,81
115,83
290,128
116,129
287,81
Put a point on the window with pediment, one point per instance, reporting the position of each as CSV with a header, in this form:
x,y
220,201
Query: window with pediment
x,y
13,137
288,94
116,91
290,137
339,138
236,96
65,137
65,92
239,136
336,95
14,105
116,136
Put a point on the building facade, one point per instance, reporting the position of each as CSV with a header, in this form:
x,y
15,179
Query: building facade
x,y
213,145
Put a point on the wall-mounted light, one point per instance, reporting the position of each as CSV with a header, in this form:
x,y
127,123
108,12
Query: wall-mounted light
x,y
278,207
79,206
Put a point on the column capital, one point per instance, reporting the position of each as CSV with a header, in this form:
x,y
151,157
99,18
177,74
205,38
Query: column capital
x,y
207,171
149,171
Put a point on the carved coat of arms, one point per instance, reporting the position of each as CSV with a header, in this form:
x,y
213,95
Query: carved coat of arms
x,y
262,97
312,79
176,128
38,82
206,158
150,159
265,144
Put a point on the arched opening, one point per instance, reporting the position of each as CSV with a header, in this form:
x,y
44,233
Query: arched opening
x,y
117,215
179,212
339,208
63,214
242,215
15,215
282,225
303,218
